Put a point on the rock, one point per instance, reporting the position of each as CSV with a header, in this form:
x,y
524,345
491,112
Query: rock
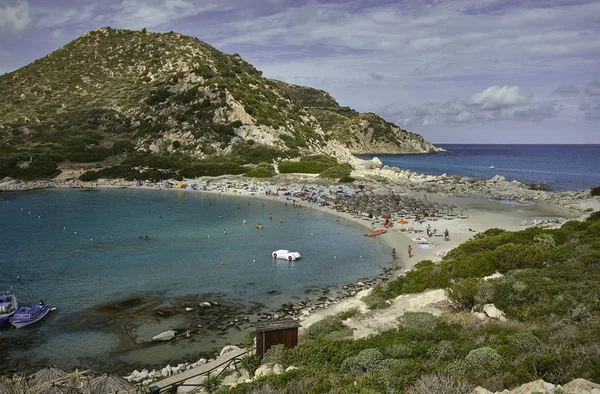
x,y
290,368
494,312
582,386
538,386
263,370
277,369
480,316
497,178
481,390
164,336
243,377
230,380
201,361
165,372
189,309
228,349
205,305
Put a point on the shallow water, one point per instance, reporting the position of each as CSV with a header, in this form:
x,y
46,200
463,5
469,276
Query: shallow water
x,y
76,250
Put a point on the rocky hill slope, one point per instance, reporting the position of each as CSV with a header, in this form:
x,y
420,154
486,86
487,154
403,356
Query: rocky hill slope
x,y
120,94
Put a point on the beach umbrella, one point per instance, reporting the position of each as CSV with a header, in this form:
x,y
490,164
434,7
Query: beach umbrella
x,y
48,374
386,217
108,384
402,221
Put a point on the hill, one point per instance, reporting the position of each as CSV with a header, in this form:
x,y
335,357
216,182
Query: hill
x,y
135,96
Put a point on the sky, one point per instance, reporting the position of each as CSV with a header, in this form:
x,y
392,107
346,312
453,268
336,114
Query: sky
x,y
454,71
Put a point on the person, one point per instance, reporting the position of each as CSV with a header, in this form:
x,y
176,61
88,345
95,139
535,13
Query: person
x,y
270,216
280,220
146,238
244,221
337,220
409,251
224,232
394,254
373,223
446,235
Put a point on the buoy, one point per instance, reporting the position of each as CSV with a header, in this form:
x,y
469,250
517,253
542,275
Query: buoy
x,y
64,228
21,209
254,261
52,309
361,257
74,232
334,257
30,212
222,263
18,277
311,233
91,239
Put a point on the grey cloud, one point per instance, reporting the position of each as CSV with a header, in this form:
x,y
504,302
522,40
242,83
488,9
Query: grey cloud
x,y
493,104
15,17
593,113
593,88
567,89
376,76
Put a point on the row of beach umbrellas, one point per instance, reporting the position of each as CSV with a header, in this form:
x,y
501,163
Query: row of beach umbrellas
x,y
51,380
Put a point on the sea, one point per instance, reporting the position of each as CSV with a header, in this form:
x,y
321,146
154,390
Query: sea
x,y
76,250
561,167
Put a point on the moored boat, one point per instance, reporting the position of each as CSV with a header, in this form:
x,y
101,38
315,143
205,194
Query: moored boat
x,y
27,315
286,255
375,233
8,306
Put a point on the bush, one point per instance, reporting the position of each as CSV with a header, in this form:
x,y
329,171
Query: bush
x,y
259,173
422,322
323,327
439,383
274,355
595,191
346,179
463,294
336,172
349,313
526,342
484,357
212,169
309,165
365,361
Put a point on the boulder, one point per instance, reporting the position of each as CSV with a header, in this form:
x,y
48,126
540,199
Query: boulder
x,y
263,370
204,305
290,368
582,386
228,349
538,386
277,369
481,390
494,312
164,336
497,178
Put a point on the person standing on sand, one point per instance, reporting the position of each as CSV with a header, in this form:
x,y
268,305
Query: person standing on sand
x,y
394,254
409,251
446,235
337,220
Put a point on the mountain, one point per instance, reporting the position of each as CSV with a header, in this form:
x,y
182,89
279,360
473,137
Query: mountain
x,y
130,95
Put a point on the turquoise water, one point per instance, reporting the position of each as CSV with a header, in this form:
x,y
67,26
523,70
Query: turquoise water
x,y
76,250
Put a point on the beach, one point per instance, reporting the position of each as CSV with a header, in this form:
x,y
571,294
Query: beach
x,y
478,214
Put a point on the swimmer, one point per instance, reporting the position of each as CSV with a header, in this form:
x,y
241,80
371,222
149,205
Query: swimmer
x,y
245,221
238,207
224,232
280,220
146,238
337,220
270,216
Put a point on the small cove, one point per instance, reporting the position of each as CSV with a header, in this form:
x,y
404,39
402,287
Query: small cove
x,y
78,250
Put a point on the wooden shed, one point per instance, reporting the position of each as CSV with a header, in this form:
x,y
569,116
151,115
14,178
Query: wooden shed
x,y
276,332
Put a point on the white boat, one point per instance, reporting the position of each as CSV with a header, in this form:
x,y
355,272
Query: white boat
x,y
491,167
164,336
286,255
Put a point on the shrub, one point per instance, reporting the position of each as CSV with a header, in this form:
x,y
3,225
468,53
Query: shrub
x,y
212,169
526,342
364,361
346,179
336,172
211,383
422,322
440,383
443,350
484,357
274,355
250,363
462,294
398,350
259,173
309,165
349,313
595,191
323,327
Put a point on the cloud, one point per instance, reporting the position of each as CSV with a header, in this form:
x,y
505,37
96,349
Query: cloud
x,y
593,88
566,90
498,97
593,113
376,76
494,104
15,17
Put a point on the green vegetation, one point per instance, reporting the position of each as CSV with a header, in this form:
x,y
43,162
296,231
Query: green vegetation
x,y
308,165
340,171
595,191
550,291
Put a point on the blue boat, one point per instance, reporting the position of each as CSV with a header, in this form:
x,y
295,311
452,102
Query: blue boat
x,y
8,306
27,315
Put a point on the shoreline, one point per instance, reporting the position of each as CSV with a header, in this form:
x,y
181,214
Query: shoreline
x,y
497,214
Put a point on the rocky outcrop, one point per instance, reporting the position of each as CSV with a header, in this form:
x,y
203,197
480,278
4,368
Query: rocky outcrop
x,y
11,185
577,386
